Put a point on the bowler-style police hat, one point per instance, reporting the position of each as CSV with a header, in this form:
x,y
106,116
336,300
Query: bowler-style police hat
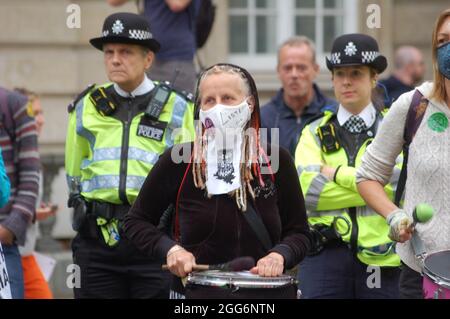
x,y
356,49
128,28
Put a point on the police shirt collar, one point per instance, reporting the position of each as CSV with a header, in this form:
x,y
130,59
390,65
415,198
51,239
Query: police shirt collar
x,y
369,115
143,88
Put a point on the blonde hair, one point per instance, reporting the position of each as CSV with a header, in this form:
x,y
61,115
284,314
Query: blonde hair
x,y
438,92
219,69
250,149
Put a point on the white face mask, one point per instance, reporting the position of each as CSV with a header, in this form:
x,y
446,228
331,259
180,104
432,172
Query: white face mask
x,y
224,126
226,117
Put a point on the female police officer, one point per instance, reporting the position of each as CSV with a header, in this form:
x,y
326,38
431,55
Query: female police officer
x,y
349,235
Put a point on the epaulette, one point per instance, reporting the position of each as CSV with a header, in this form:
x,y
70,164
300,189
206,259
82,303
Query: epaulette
x,y
74,103
189,97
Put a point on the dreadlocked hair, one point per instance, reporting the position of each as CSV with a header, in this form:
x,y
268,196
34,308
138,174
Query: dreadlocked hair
x,y
251,150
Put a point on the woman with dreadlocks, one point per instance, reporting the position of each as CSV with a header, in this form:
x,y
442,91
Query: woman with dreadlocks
x,y
228,176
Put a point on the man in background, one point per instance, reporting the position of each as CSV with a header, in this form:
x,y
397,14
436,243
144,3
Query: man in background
x,y
409,71
300,99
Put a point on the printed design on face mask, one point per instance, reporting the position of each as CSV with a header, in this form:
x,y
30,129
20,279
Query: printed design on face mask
x,y
232,119
225,169
208,123
225,116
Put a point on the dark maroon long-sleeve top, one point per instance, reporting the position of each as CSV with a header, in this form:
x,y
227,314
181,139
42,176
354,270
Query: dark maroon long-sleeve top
x,y
214,229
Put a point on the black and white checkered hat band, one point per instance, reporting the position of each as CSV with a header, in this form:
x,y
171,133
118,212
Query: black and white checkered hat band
x,y
369,56
335,58
140,34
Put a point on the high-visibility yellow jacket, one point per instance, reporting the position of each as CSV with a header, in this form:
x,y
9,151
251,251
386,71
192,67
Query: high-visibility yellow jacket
x,y
107,157
325,199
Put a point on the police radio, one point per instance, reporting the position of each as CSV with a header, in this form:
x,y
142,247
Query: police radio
x,y
158,100
328,138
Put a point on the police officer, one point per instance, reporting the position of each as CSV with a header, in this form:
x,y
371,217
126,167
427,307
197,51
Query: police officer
x,y
349,236
116,133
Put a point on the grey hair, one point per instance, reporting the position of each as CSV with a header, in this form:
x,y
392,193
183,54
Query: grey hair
x,y
145,50
405,55
297,41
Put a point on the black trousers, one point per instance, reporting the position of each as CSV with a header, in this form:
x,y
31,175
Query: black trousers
x,y
411,283
336,273
119,272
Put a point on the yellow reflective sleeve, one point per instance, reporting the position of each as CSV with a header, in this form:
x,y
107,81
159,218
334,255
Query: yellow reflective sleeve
x,y
187,132
320,193
76,148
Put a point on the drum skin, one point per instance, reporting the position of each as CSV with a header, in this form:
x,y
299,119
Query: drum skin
x,y
239,285
436,276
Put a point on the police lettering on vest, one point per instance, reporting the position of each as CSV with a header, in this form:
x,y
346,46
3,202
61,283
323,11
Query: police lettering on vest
x,y
151,129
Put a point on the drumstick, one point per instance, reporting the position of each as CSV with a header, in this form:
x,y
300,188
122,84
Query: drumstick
x,y
422,213
238,264
195,267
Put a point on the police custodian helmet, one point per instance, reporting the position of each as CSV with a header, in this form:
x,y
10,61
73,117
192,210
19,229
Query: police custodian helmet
x,y
128,28
356,49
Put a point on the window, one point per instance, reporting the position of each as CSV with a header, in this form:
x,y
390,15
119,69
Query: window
x,y
257,27
252,26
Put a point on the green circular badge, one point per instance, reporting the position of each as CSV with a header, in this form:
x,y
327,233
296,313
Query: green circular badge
x,y
438,122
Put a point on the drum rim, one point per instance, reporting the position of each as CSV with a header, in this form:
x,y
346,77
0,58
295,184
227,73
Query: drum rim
x,y
199,278
437,279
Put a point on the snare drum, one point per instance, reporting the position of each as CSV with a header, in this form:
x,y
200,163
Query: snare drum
x,y
436,275
239,285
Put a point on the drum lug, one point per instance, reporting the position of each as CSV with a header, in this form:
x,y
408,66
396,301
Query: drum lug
x,y
438,293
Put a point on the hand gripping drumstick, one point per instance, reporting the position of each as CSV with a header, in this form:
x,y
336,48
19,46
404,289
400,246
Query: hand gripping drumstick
x,y
237,264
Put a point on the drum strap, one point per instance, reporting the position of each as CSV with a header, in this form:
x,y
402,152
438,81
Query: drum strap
x,y
418,246
257,225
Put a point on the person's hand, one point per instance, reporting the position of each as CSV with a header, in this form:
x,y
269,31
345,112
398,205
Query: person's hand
x,y
180,261
45,211
6,236
271,265
400,226
328,171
